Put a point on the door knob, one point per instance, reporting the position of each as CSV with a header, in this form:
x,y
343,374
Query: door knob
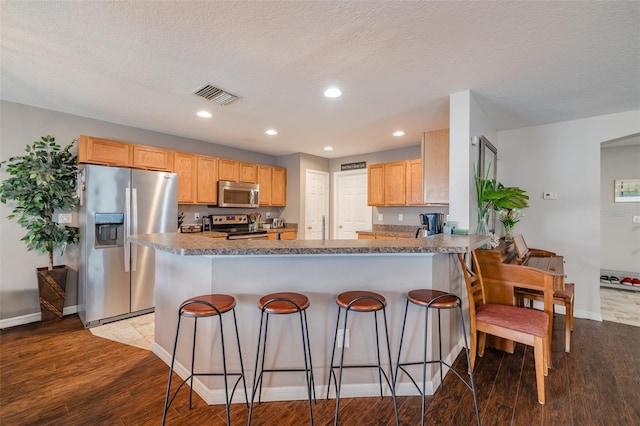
x,y
308,227
340,227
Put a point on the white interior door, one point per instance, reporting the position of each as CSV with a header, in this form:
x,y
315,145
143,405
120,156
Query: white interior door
x,y
351,212
316,210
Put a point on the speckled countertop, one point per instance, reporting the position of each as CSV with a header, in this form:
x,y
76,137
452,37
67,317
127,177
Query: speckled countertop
x,y
400,231
196,244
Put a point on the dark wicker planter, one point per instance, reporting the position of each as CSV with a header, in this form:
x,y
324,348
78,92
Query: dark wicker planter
x,y
51,287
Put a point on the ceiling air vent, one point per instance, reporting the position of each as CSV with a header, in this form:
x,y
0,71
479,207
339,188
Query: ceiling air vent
x,y
215,94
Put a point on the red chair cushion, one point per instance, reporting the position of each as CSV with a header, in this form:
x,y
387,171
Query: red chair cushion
x,y
529,321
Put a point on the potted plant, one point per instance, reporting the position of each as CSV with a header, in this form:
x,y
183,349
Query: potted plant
x,y
492,195
42,181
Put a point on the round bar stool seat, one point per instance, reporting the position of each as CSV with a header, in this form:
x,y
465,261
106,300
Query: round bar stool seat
x,y
281,303
434,298
439,300
206,305
361,301
194,308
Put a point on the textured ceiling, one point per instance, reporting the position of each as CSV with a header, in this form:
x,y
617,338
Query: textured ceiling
x,y
137,63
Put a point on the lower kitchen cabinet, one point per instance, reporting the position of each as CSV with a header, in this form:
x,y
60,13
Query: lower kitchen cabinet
x,y
284,235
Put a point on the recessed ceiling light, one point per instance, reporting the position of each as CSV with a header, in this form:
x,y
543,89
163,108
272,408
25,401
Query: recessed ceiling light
x,y
204,114
328,148
271,132
398,133
333,92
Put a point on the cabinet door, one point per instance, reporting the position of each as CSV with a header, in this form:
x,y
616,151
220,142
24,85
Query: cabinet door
x,y
394,181
375,190
414,182
366,237
185,165
207,182
247,172
152,158
227,170
264,180
272,236
289,235
278,186
103,151
437,166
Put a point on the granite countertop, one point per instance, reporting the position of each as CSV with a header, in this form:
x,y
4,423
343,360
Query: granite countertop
x,y
400,231
196,244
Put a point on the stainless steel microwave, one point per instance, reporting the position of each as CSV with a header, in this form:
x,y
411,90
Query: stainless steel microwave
x,y
238,194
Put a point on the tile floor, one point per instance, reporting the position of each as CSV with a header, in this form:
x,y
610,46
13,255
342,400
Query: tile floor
x,y
137,331
615,305
620,306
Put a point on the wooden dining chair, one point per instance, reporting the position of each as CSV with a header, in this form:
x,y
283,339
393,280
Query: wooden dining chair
x,y
560,297
526,326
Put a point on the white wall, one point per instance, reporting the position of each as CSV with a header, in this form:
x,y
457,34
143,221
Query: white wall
x,y
620,237
565,158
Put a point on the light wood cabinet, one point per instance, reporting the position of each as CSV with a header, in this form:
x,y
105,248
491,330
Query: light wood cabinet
x,y
264,180
207,191
278,186
285,235
366,237
414,182
387,184
227,170
375,190
152,158
186,166
247,172
436,166
104,151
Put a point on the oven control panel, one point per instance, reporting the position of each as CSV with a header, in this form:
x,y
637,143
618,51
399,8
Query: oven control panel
x,y
229,219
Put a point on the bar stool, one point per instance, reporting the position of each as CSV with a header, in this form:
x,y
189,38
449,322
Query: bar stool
x,y
283,303
208,305
361,301
439,300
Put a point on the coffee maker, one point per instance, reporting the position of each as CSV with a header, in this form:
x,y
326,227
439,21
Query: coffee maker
x,y
430,224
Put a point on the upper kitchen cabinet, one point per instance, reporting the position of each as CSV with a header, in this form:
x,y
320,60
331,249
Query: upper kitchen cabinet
x,y
264,181
436,166
228,170
414,182
207,191
387,184
152,158
278,186
186,166
103,151
247,172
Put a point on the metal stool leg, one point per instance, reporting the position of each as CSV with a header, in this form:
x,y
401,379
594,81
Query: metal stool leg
x,y
193,359
466,351
255,375
244,382
173,359
339,383
393,381
333,352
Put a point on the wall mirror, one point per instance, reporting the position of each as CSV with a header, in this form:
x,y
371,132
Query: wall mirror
x,y
489,159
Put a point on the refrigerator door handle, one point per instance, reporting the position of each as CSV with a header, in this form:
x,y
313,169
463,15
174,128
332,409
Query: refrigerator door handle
x,y
134,227
127,225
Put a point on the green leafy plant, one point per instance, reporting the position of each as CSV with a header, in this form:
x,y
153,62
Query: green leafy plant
x,y
492,195
41,181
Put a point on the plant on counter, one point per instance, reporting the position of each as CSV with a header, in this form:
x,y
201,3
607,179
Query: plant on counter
x,y
41,182
509,218
493,195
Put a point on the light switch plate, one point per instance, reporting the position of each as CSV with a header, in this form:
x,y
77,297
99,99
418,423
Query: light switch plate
x,y
636,219
400,217
550,195
380,216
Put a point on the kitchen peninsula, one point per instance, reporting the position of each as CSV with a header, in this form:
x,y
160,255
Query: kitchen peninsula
x,y
189,265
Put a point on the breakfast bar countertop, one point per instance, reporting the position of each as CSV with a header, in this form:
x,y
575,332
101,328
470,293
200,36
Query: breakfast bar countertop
x,y
194,245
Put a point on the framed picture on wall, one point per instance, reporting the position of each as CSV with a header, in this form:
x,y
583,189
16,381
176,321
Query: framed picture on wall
x,y
627,190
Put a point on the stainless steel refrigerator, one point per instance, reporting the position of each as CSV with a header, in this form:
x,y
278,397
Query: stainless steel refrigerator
x,y
116,279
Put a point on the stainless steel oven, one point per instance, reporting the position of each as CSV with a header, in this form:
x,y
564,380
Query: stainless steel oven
x,y
238,194
237,227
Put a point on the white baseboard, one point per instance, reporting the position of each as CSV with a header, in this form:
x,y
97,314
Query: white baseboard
x,y
27,319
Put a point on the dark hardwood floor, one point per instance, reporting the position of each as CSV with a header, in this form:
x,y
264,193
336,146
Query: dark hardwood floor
x,y
60,374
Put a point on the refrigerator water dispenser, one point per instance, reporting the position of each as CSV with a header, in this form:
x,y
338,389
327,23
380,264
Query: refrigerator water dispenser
x,y
109,230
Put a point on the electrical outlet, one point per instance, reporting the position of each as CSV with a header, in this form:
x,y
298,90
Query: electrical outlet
x,y
64,218
268,215
380,216
400,217
636,219
196,216
341,335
